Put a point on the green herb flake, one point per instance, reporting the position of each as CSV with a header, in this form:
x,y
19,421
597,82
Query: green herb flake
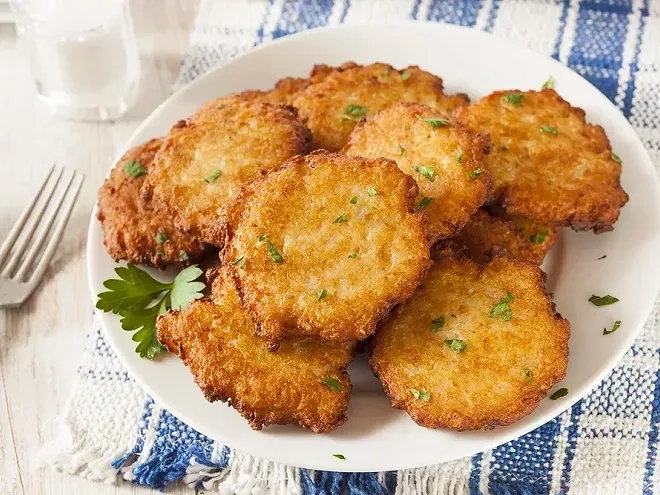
x,y
160,252
406,75
134,169
332,384
434,122
420,394
402,150
339,456
476,173
562,392
212,178
502,308
426,171
237,260
539,237
321,294
161,238
272,250
549,83
456,345
437,324
221,106
616,158
355,110
602,300
352,255
513,98
183,256
459,157
548,129
371,191
341,218
353,200
528,374
616,326
424,203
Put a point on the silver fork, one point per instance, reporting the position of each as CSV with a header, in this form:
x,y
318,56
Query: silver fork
x,y
18,254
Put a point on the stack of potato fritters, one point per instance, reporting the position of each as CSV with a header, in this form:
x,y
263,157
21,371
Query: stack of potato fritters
x,y
322,249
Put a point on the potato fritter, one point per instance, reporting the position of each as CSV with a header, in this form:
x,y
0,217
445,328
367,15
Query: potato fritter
x,y
445,159
486,235
280,95
326,246
132,232
202,166
474,347
548,163
337,98
305,382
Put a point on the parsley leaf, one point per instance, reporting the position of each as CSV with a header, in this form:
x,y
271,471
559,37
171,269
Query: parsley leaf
x,y
221,106
602,300
332,384
272,250
356,110
353,200
339,456
502,308
237,260
426,171
321,294
549,83
476,173
138,298
160,252
134,169
402,150
616,158
406,75
420,394
352,255
183,256
616,326
456,345
459,157
548,129
434,122
538,238
212,178
437,324
514,98
424,203
562,392
341,218
161,238
371,191
528,374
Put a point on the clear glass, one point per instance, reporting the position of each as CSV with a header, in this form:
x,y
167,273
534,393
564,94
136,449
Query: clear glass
x,y
83,55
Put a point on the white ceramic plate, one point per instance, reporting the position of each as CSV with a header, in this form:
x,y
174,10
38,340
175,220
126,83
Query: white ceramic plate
x,y
377,437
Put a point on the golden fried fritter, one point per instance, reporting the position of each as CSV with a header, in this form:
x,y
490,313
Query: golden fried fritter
x,y
280,95
326,246
486,235
548,163
132,232
445,159
202,166
305,382
337,98
474,347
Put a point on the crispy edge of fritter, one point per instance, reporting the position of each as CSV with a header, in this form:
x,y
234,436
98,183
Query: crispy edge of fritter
x,y
529,402
599,218
234,215
121,210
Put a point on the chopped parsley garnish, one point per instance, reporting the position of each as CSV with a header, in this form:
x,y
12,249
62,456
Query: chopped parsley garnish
x,y
420,394
616,158
502,308
406,75
456,345
341,218
321,294
221,106
602,257
139,299
356,110
549,83
332,384
272,250
424,203
237,260
160,252
426,171
134,169
562,392
528,374
514,98
212,178
538,238
352,255
183,256
371,191
616,326
437,324
459,157
339,456
476,173
161,238
548,129
353,200
434,122
402,150
602,300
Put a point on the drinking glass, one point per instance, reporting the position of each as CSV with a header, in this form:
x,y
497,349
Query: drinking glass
x,y
83,55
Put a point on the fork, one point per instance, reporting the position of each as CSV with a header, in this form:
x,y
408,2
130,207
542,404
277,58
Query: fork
x,y
20,251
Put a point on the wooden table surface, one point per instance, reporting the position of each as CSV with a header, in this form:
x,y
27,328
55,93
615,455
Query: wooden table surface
x,y
41,343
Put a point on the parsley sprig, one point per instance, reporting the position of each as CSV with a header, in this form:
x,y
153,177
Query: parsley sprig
x,y
139,299
502,308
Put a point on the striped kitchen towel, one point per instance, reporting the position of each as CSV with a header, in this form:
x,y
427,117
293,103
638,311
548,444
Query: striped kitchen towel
x,y
607,443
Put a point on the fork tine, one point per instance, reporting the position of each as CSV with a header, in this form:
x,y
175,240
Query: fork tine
x,y
29,231
57,235
16,229
43,235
